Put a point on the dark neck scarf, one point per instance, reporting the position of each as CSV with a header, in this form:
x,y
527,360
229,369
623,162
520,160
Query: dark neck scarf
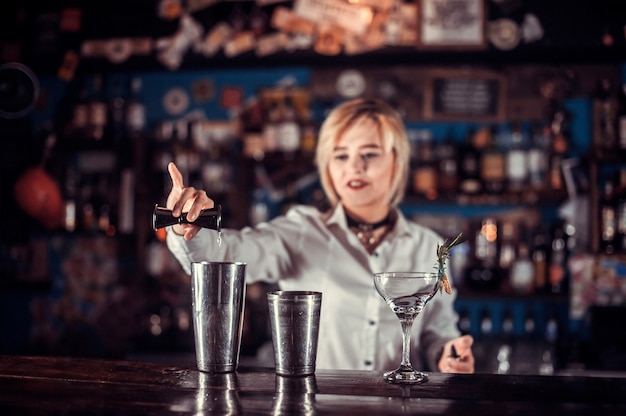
x,y
388,220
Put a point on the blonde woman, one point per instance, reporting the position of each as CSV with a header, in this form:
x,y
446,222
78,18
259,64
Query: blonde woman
x,y
362,157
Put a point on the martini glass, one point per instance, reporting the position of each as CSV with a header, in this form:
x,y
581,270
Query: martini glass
x,y
406,293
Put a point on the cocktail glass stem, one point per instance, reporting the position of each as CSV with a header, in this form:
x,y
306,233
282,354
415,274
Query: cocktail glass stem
x,y
407,324
406,373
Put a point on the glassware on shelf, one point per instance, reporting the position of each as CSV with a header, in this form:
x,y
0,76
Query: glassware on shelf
x,y
406,293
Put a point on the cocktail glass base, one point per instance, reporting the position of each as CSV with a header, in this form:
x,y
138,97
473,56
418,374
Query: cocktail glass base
x,y
405,375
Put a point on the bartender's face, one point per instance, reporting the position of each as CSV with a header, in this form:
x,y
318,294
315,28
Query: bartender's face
x,y
362,171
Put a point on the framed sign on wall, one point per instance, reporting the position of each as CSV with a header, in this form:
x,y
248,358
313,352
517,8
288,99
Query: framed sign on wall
x,y
452,24
451,94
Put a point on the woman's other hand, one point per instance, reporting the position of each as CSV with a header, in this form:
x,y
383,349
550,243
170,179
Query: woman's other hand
x,y
459,359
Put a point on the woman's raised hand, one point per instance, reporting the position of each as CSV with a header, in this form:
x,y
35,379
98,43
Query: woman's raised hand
x,y
186,199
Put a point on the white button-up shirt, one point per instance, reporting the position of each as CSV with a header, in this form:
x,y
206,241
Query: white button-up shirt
x,y
309,250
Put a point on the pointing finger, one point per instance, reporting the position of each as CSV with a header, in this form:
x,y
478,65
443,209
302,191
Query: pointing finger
x,y
177,177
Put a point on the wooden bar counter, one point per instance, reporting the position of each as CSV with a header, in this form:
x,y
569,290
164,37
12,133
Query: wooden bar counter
x,y
71,386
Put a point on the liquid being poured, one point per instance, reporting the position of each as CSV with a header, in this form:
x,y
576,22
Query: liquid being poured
x,y
219,232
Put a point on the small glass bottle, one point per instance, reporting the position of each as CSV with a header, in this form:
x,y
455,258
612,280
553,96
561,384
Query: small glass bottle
x,y
209,218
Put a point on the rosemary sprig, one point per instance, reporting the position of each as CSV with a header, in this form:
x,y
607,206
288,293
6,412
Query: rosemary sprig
x,y
443,254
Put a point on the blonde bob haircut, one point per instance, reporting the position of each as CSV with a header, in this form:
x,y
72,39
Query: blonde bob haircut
x,y
390,128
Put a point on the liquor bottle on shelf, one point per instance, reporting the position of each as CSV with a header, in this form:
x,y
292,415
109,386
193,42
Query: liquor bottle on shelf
x,y
493,167
135,116
620,204
605,112
517,160
530,324
469,173
507,245
522,271
551,333
308,141
506,344
71,183
486,324
117,109
559,149
539,258
126,207
508,325
288,132
549,350
80,114
487,241
105,220
483,272
538,157
526,345
621,119
424,173
557,267
608,218
89,221
270,126
447,177
97,111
